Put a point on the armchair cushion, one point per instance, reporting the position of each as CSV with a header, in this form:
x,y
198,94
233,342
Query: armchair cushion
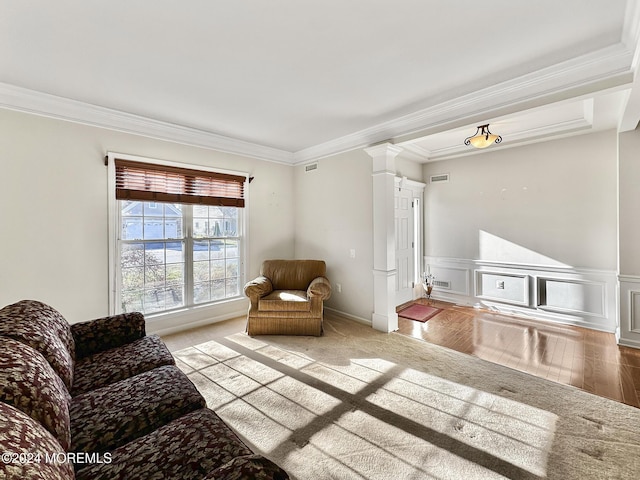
x,y
105,333
285,301
44,329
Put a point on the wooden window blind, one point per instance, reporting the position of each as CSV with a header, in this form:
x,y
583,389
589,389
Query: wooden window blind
x,y
160,183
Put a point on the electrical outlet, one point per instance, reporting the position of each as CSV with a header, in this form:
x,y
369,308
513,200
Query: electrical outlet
x,y
352,253
339,287
500,284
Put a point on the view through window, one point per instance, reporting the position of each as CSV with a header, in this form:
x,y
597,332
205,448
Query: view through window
x,y
177,255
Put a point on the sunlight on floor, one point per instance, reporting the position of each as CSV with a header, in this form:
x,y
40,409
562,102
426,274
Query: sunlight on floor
x,y
365,417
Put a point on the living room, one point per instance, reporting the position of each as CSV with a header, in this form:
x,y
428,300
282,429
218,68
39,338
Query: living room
x,y
555,212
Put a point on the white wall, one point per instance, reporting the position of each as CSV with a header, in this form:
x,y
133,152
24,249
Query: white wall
x,y
630,203
53,208
630,238
541,212
548,203
333,214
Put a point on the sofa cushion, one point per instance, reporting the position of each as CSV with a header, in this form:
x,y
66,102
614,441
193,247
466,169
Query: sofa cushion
x,y
21,434
184,449
109,417
28,382
113,365
285,301
43,328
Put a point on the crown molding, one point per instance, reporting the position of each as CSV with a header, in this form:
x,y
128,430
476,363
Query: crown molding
x,y
43,104
606,68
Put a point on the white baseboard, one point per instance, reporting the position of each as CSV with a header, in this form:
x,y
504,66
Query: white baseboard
x,y
198,317
349,316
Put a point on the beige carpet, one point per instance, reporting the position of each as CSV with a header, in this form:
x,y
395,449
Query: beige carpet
x,y
359,404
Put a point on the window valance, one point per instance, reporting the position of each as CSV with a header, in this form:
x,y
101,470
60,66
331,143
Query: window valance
x,y
161,183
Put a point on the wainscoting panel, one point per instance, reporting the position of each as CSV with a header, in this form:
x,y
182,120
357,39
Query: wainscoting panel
x,y
451,280
629,332
506,288
582,297
560,295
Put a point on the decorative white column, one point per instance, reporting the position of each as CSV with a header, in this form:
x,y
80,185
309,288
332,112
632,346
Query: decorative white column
x,y
384,316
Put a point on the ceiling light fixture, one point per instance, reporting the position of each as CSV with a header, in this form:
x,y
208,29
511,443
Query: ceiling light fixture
x,y
483,137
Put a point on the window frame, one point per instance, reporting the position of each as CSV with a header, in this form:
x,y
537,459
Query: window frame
x,y
114,236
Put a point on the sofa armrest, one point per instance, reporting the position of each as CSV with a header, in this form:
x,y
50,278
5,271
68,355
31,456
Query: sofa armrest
x,y
319,287
258,287
105,333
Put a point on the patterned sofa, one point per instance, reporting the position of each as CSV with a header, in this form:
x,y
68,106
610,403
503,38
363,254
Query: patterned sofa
x,y
103,400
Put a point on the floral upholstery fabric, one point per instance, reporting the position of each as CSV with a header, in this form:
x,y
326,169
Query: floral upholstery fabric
x,y
186,449
20,434
248,467
108,417
110,366
28,382
105,333
43,328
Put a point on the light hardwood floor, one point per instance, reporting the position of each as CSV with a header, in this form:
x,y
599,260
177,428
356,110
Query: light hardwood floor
x,y
584,358
587,359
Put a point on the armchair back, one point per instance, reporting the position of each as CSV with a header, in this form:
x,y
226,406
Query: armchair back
x,y
292,274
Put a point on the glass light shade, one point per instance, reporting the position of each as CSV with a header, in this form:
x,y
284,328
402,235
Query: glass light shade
x,y
483,141
483,137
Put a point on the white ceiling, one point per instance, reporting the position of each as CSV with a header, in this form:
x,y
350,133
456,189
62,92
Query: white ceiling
x,y
295,80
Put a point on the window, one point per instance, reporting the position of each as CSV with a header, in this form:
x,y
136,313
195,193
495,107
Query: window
x,y
173,255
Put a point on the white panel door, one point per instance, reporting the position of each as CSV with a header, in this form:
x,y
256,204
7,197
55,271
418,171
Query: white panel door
x,y
404,245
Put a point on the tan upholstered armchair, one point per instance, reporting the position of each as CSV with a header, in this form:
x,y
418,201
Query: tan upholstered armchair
x,y
286,299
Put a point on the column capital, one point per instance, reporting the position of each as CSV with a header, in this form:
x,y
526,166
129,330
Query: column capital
x,y
383,149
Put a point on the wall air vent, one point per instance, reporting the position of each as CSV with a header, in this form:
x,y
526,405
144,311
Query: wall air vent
x,y
442,284
311,167
443,177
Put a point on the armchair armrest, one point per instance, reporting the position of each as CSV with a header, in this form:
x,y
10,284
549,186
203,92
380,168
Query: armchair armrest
x,y
258,287
319,287
101,334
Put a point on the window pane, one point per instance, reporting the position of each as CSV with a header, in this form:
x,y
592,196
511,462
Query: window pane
x,y
200,271
153,228
232,250
217,269
175,275
200,250
132,301
217,249
132,254
232,267
233,287
217,290
174,252
131,228
201,292
230,227
132,278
